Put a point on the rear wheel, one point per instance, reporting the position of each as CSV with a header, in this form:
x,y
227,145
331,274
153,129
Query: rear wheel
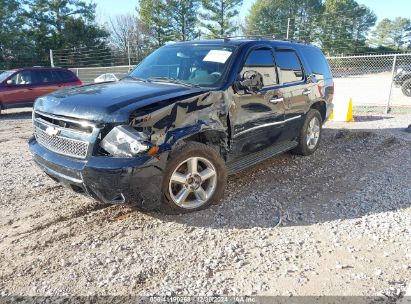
x,y
406,88
310,134
195,178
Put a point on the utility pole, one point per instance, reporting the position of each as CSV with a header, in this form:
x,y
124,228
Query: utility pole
x,y
288,28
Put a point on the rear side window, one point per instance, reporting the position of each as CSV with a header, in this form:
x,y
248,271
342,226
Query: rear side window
x,y
44,76
262,61
65,75
289,66
318,63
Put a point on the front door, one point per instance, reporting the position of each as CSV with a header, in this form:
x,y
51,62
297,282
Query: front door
x,y
257,119
20,91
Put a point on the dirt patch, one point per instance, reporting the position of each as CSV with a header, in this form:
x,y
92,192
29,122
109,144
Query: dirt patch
x,y
353,135
334,223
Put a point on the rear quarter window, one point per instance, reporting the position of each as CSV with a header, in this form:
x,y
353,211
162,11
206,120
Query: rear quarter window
x,y
66,75
318,64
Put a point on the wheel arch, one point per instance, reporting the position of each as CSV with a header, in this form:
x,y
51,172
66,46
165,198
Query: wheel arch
x,y
321,107
217,139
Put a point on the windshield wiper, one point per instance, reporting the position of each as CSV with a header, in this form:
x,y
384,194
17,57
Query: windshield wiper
x,y
171,80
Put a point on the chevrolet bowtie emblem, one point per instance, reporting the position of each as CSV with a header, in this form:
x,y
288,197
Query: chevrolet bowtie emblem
x,y
51,131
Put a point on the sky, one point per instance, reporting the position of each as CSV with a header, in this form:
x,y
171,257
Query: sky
x,y
382,8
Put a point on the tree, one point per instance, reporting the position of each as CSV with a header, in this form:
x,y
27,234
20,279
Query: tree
x,y
184,18
392,34
401,33
381,35
271,17
14,48
219,15
344,26
127,34
57,24
156,21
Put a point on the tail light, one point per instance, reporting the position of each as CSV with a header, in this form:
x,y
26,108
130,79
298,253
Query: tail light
x,y
320,89
79,82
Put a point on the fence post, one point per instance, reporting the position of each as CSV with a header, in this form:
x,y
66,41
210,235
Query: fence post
x,y
128,54
288,27
51,58
394,64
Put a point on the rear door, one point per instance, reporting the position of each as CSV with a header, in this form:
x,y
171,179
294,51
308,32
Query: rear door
x,y
294,89
257,119
45,82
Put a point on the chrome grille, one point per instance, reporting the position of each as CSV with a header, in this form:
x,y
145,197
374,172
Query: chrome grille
x,y
62,145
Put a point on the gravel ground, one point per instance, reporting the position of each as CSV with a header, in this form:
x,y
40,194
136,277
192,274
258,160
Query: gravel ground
x,y
335,223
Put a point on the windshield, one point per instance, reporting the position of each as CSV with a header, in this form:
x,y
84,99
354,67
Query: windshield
x,y
199,65
5,75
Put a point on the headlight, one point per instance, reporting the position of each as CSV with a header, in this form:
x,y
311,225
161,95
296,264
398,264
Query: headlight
x,y
400,70
124,141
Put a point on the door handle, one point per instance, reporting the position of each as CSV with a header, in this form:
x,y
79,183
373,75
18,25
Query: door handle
x,y
307,92
276,100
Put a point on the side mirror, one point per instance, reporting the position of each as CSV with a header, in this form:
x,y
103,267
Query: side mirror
x,y
250,82
9,82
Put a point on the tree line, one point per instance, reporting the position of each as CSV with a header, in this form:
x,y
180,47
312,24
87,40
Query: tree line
x,y
30,28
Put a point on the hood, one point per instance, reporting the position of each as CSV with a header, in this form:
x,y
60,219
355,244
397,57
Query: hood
x,y
109,102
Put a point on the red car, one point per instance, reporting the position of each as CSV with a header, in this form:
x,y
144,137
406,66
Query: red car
x,y
20,87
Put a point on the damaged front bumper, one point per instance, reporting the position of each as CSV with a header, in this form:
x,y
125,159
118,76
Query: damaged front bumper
x,y
107,179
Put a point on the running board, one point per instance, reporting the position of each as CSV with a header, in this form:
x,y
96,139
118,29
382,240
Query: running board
x,y
258,157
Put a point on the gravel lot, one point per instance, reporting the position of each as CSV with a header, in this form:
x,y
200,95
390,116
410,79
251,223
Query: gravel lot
x,y
335,223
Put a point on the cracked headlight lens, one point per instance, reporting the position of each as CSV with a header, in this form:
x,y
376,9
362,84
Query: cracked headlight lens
x,y
124,141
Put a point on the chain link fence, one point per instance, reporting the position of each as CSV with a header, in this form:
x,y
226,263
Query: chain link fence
x,y
88,75
375,83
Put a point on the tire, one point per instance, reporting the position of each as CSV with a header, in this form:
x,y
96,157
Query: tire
x,y
312,128
406,88
194,178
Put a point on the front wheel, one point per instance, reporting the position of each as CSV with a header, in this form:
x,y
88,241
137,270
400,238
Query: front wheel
x,y
310,134
406,88
195,177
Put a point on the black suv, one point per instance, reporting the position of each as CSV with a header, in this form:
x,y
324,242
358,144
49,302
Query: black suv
x,y
402,79
168,134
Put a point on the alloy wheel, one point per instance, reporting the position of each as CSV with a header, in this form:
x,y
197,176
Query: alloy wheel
x,y
193,182
313,133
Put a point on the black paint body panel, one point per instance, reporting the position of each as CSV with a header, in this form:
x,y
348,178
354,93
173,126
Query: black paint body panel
x,y
236,123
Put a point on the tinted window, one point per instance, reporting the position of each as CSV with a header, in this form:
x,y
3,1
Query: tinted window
x,y
65,75
318,63
262,61
22,78
289,66
44,76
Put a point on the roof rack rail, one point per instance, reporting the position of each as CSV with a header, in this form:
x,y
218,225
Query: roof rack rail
x,y
248,36
261,37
